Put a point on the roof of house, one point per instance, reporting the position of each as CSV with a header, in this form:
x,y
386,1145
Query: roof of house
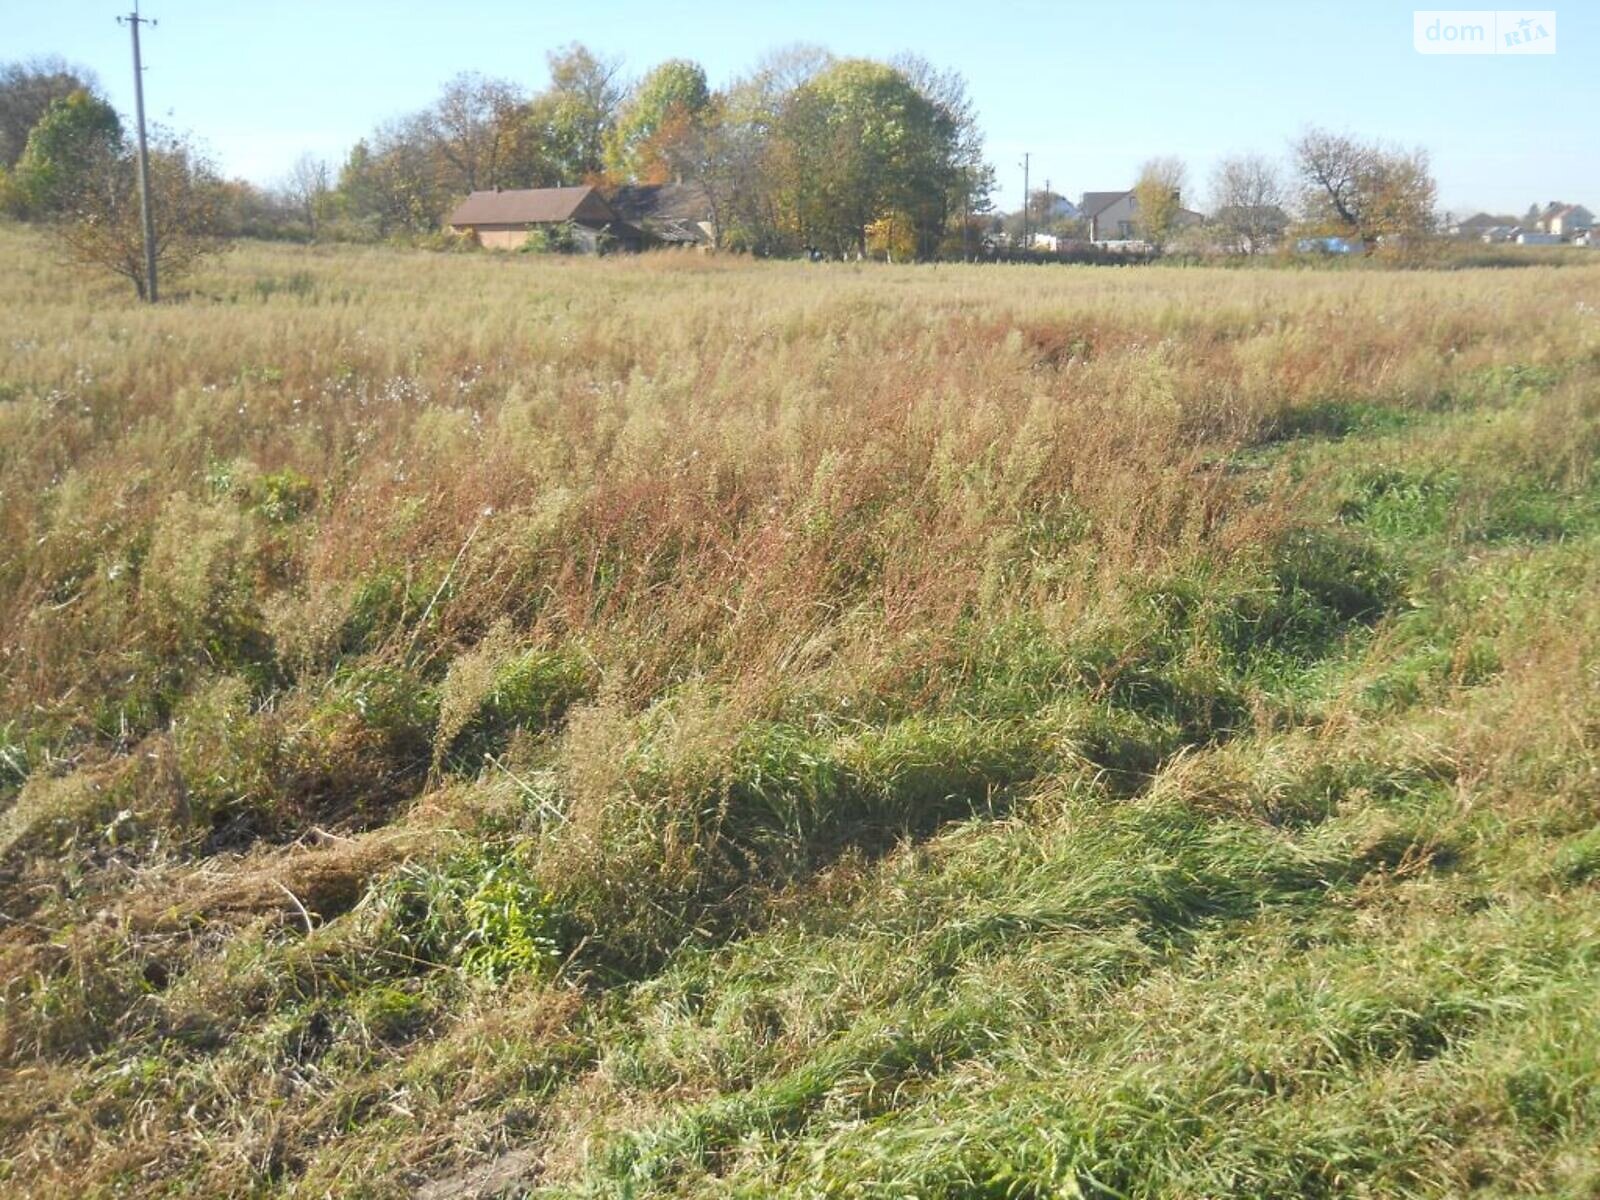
x,y
1095,203
667,202
534,206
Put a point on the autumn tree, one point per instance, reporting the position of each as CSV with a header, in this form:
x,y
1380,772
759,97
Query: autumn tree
x,y
1248,200
307,189
104,229
1158,199
754,159
668,106
474,127
390,182
806,150
1364,189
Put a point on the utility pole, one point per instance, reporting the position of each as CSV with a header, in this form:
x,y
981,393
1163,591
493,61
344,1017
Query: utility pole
x,y
1027,242
133,20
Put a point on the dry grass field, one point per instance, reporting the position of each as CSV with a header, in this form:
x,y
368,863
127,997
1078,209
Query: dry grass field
x,y
479,726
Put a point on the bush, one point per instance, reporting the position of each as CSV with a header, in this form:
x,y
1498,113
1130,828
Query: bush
x,y
551,239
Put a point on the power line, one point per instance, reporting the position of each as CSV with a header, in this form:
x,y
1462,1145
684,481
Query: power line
x,y
133,20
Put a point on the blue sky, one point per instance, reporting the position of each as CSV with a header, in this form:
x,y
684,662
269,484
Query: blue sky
x,y
1090,90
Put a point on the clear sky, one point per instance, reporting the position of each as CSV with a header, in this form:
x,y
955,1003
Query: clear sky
x,y
1090,89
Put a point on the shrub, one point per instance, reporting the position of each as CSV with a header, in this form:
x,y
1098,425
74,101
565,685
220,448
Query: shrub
x,y
480,911
551,239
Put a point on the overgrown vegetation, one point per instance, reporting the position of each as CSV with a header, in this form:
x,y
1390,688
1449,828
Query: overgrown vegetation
x,y
665,726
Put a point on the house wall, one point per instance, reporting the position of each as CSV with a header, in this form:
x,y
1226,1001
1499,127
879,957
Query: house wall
x,y
497,237
1108,225
1570,223
502,237
514,237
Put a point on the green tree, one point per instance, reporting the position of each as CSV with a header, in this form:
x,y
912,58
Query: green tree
x,y
668,106
863,143
105,230
1365,189
572,119
66,152
27,89
968,179
391,183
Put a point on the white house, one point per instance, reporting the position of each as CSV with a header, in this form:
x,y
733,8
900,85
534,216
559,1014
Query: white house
x,y
1566,220
1109,214
1114,216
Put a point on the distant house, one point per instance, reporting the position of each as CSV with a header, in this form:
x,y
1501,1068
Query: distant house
x,y
1496,234
1331,245
1530,238
502,220
1565,220
1110,216
1477,226
673,214
1114,216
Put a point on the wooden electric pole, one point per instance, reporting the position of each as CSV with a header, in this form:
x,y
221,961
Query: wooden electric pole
x,y
133,20
1027,243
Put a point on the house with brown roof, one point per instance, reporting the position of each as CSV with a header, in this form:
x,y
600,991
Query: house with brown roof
x,y
672,214
502,220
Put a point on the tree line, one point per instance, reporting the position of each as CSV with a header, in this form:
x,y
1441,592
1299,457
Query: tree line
x,y
1332,185
806,150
